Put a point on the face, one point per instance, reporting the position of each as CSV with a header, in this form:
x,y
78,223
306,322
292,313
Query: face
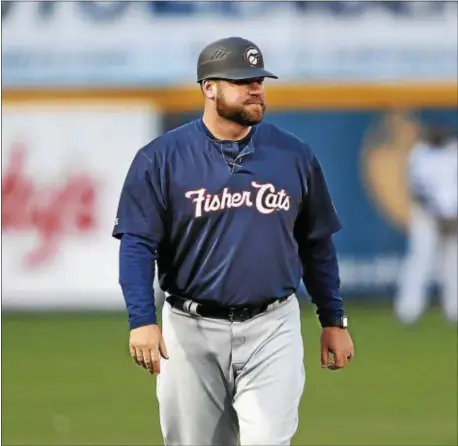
x,y
242,102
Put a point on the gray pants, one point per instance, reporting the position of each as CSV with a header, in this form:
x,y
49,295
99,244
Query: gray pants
x,y
229,383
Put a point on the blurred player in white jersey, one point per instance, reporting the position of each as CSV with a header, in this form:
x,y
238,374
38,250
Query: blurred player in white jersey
x,y
433,226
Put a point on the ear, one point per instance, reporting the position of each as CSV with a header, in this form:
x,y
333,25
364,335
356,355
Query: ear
x,y
209,89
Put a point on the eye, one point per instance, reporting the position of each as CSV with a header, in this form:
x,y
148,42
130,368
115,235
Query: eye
x,y
241,82
259,81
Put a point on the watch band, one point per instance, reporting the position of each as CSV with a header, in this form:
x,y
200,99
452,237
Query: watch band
x,y
341,322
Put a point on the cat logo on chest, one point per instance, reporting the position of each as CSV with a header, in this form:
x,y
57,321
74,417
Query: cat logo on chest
x,y
264,197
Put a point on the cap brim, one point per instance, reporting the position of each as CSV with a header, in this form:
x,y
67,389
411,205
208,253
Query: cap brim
x,y
241,74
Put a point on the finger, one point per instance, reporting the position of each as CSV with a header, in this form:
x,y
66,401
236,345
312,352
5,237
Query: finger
x,y
140,358
148,360
340,360
163,349
341,364
156,368
350,354
133,353
324,356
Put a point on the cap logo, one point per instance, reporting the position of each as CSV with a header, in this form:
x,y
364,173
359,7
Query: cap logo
x,y
252,56
220,54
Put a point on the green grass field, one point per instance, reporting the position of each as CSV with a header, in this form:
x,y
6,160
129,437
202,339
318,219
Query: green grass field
x,y
68,380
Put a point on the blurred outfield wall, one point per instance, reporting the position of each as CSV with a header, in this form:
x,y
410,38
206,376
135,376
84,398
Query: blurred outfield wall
x,y
65,155
70,130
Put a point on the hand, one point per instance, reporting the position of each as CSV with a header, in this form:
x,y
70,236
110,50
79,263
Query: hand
x,y
337,341
146,345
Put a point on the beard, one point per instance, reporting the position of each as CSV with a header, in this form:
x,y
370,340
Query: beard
x,y
246,115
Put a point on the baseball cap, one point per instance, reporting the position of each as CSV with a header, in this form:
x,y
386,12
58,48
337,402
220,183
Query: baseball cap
x,y
232,58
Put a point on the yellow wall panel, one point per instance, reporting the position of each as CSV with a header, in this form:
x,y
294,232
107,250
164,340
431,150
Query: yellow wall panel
x,y
280,96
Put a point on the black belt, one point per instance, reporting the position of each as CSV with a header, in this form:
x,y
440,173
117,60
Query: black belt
x,y
233,314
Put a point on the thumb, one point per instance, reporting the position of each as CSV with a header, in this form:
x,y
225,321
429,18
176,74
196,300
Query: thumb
x,y
163,349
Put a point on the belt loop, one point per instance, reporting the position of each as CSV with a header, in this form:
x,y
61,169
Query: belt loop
x,y
191,307
276,304
186,305
272,305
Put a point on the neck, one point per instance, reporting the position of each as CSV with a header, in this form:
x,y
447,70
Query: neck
x,y
224,129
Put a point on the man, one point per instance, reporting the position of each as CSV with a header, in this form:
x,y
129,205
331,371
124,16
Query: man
x,y
433,227
233,210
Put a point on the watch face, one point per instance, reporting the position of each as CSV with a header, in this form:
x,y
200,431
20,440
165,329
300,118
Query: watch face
x,y
344,322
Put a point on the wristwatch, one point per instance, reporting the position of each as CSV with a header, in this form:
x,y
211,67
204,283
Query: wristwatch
x,y
341,322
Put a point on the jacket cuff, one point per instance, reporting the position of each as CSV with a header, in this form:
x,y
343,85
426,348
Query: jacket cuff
x,y
142,321
328,317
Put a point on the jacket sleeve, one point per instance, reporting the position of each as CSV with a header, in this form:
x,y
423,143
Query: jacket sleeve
x,y
139,225
316,223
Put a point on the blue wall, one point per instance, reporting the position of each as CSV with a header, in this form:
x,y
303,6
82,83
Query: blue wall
x,y
337,138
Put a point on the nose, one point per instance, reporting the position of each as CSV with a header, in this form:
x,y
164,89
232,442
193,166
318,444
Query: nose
x,y
256,86
257,81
